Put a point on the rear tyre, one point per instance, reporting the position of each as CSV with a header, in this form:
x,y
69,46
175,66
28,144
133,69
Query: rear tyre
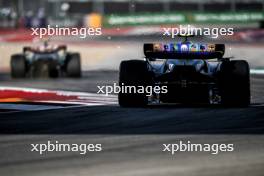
x,y
235,83
73,65
18,66
133,73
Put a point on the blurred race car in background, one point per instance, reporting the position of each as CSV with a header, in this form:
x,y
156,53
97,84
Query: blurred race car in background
x,y
45,60
193,73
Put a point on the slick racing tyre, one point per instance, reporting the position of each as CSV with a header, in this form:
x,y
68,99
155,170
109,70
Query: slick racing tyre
x,y
235,83
73,65
18,66
133,73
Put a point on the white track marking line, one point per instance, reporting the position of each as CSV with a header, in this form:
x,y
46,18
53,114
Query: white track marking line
x,y
25,107
78,103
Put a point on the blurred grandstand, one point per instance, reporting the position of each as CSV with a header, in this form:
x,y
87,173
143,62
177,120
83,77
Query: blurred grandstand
x,y
125,15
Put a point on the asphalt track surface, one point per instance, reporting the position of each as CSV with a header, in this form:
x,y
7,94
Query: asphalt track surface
x,y
155,119
132,138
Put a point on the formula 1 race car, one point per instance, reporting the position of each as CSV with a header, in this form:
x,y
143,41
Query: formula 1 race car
x,y
45,60
192,73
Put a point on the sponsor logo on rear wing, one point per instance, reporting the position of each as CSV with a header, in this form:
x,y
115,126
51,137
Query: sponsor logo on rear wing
x,y
184,50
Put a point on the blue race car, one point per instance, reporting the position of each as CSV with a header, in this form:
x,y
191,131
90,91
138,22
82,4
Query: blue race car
x,y
192,73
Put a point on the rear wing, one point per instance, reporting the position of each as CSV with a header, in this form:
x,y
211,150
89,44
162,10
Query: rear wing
x,y
184,51
47,50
